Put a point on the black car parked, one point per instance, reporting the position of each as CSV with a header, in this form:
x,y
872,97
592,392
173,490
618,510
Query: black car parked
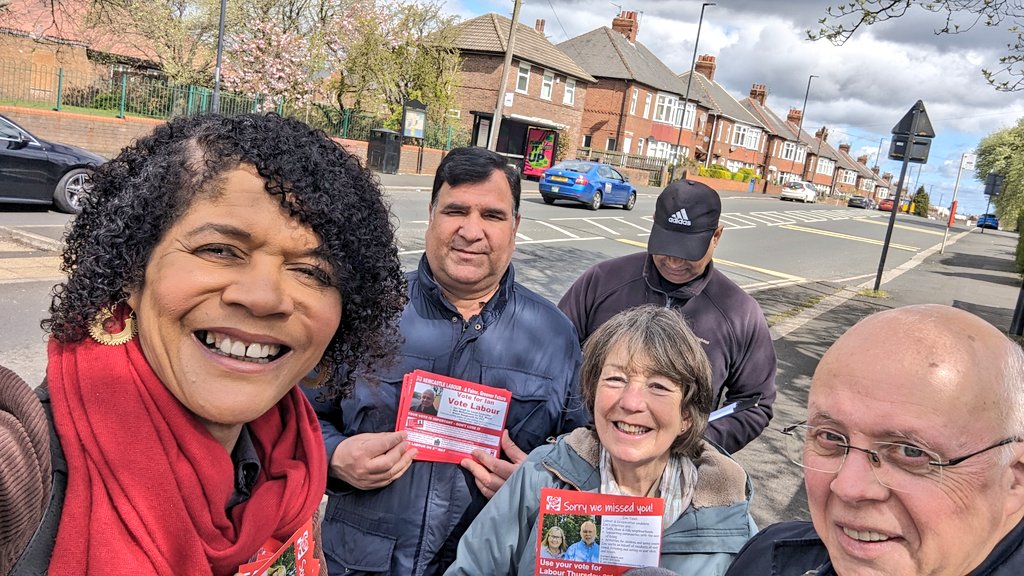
x,y
35,171
859,202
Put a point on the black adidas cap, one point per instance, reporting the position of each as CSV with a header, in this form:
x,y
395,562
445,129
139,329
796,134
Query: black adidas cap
x,y
685,219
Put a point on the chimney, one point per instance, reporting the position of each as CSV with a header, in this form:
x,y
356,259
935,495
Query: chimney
x,y
795,114
845,148
875,170
758,93
706,66
539,26
625,23
863,159
887,177
822,134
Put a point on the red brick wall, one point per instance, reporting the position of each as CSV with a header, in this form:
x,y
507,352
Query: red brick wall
x,y
478,92
601,114
44,58
102,135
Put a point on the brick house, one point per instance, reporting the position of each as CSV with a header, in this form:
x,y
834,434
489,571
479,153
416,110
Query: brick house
x,y
635,108
45,37
731,136
853,175
545,88
783,154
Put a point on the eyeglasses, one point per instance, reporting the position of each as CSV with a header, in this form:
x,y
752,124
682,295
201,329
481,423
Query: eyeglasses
x,y
896,465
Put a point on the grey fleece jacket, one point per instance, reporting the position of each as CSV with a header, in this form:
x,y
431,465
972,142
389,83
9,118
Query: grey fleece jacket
x,y
704,540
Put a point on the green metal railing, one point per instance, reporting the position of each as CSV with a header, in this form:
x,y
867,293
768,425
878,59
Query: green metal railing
x,y
123,94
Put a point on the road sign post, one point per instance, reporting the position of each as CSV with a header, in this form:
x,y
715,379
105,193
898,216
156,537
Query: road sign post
x,y
912,138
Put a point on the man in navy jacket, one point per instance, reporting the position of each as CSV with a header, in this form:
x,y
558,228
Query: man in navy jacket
x,y
677,272
466,318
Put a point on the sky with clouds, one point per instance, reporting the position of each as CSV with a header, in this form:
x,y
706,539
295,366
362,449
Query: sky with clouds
x,y
862,88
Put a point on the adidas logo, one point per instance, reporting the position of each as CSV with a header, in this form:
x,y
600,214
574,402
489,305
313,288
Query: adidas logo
x,y
680,218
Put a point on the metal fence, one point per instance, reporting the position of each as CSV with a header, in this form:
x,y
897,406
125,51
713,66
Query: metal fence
x,y
121,93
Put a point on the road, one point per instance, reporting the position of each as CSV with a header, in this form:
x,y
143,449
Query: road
x,y
767,243
789,256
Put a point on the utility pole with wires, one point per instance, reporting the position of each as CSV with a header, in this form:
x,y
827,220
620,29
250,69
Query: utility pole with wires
x,y
499,109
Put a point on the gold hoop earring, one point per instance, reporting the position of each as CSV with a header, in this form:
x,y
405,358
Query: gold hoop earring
x,y
99,332
324,371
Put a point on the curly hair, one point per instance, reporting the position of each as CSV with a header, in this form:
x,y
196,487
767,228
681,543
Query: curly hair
x,y
657,341
140,194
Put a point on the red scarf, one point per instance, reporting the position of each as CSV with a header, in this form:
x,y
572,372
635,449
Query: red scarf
x,y
147,483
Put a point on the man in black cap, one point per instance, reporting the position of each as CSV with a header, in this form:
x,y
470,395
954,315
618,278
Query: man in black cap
x,y
677,271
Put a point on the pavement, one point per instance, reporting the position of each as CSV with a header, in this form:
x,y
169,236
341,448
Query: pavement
x,y
975,272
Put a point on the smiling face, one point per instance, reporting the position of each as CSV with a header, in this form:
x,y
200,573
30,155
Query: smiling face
x,y
236,306
427,399
471,236
555,538
588,532
944,397
679,271
637,416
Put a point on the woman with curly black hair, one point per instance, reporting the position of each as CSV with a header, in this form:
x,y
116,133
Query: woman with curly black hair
x,y
216,263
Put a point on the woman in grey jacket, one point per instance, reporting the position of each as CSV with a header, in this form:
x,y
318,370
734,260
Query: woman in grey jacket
x,y
646,381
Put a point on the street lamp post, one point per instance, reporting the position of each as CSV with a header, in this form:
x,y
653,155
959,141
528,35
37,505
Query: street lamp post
x,y
220,51
800,124
689,81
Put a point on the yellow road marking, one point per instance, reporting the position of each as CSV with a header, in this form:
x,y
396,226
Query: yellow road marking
x,y
782,275
902,226
849,237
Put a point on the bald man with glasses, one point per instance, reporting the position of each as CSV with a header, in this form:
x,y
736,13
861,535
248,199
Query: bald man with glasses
x,y
913,464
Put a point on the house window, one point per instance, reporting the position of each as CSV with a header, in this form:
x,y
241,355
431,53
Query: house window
x,y
569,98
789,151
587,140
826,166
611,144
547,85
647,107
746,136
689,115
523,81
632,101
665,108
848,177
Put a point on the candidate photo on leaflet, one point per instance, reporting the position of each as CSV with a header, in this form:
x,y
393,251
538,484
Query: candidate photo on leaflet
x,y
554,543
677,271
427,403
467,318
647,385
215,264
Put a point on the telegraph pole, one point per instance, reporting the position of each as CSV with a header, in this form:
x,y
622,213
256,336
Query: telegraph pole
x,y
492,142
966,163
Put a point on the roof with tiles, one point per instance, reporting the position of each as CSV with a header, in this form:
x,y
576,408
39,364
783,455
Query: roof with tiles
x,y
716,98
67,23
489,34
606,53
772,121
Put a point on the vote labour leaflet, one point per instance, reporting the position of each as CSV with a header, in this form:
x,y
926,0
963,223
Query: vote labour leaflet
x,y
602,534
447,419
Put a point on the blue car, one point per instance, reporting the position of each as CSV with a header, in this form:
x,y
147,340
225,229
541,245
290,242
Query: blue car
x,y
988,221
590,183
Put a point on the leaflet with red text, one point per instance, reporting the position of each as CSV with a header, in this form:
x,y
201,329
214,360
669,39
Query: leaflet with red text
x,y
447,419
587,534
